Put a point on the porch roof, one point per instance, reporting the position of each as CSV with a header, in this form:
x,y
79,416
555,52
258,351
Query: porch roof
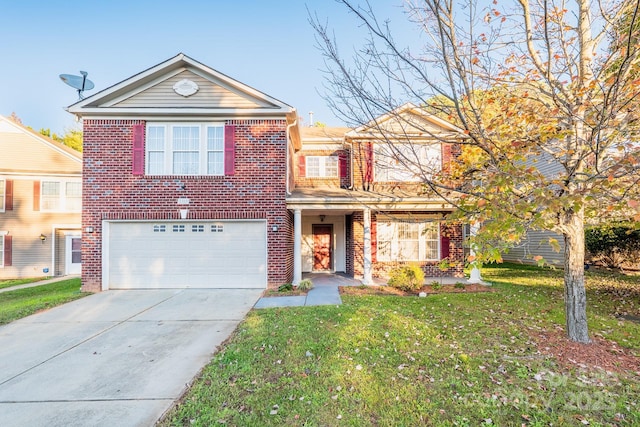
x,y
344,199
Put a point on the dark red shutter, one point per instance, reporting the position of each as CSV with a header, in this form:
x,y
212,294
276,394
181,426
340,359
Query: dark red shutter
x,y
302,166
7,251
36,195
342,165
444,246
229,149
137,137
8,195
368,172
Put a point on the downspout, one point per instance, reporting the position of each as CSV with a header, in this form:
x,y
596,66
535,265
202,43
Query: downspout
x,y
289,126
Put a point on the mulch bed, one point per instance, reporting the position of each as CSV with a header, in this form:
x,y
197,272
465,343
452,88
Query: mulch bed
x,y
600,353
428,289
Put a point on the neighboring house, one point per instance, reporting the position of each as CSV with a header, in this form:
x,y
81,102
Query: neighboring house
x,y
193,179
536,242
40,204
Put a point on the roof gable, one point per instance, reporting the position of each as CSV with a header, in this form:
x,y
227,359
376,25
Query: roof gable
x,y
157,91
28,152
408,120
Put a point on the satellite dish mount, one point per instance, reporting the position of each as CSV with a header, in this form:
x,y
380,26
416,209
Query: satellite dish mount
x,y
80,83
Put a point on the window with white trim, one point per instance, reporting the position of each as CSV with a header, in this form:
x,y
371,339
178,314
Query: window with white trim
x,y
61,196
408,241
406,162
184,149
322,166
3,185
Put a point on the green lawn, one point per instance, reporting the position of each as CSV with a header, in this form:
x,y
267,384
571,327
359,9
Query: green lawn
x,y
24,302
448,359
16,282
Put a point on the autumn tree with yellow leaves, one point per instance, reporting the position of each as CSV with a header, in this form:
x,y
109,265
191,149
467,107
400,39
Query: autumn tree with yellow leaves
x,y
545,93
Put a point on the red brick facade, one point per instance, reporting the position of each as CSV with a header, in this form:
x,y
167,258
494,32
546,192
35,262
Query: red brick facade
x,y
257,190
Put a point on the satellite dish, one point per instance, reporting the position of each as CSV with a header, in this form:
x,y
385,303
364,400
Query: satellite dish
x,y
80,83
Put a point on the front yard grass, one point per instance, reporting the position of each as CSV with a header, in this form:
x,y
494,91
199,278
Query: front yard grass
x,y
16,282
448,359
24,302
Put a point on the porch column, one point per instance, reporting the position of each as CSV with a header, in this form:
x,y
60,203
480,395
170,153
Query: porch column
x,y
367,279
297,246
474,275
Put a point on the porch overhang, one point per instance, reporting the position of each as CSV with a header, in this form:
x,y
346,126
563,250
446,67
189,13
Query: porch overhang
x,y
348,201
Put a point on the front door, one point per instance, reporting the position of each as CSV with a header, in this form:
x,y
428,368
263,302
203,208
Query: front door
x,y
73,255
322,247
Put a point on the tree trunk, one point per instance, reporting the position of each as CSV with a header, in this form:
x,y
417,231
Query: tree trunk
x,y
575,296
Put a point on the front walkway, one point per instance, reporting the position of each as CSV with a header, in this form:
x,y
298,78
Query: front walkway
x,y
325,290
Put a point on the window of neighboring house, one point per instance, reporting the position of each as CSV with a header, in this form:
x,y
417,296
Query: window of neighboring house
x,y
2,194
408,241
61,196
185,149
406,162
322,166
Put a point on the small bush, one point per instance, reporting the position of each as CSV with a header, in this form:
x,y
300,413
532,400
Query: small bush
x,y
287,287
459,285
406,278
435,285
305,285
614,245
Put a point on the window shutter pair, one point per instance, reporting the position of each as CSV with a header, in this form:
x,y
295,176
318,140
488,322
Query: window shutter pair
x,y
302,166
8,195
7,251
368,167
137,167
444,246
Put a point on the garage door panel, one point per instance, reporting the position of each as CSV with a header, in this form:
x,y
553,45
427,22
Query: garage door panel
x,y
218,254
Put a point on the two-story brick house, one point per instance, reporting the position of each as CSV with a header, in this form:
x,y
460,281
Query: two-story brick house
x,y
193,179
360,202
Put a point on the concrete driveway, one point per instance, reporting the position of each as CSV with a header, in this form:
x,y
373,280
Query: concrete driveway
x,y
117,358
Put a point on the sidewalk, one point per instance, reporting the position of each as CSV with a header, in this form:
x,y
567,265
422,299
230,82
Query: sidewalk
x,y
38,283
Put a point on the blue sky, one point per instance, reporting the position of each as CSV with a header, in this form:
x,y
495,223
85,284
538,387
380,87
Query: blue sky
x,y
266,44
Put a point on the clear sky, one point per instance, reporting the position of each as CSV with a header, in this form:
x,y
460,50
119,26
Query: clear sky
x,y
267,44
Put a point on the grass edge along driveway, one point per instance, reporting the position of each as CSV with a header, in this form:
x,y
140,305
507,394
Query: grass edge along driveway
x,y
448,359
24,302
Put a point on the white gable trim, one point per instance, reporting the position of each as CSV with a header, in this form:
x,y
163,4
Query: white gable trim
x,y
101,101
372,128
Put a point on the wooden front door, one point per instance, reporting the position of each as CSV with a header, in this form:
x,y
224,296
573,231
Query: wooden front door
x,y
322,247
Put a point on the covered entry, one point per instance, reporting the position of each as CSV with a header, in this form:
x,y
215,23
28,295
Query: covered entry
x,y
185,254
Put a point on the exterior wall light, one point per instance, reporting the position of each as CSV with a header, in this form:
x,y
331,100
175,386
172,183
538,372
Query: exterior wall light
x,y
274,228
43,238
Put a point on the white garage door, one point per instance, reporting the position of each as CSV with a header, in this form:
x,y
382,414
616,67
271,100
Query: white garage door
x,y
181,254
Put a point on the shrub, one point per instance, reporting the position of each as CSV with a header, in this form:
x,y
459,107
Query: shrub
x,y
615,245
459,285
286,287
435,285
305,285
406,278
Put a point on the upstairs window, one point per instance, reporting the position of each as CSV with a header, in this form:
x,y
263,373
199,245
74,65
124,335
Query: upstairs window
x,y
185,149
406,162
2,194
61,196
322,166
